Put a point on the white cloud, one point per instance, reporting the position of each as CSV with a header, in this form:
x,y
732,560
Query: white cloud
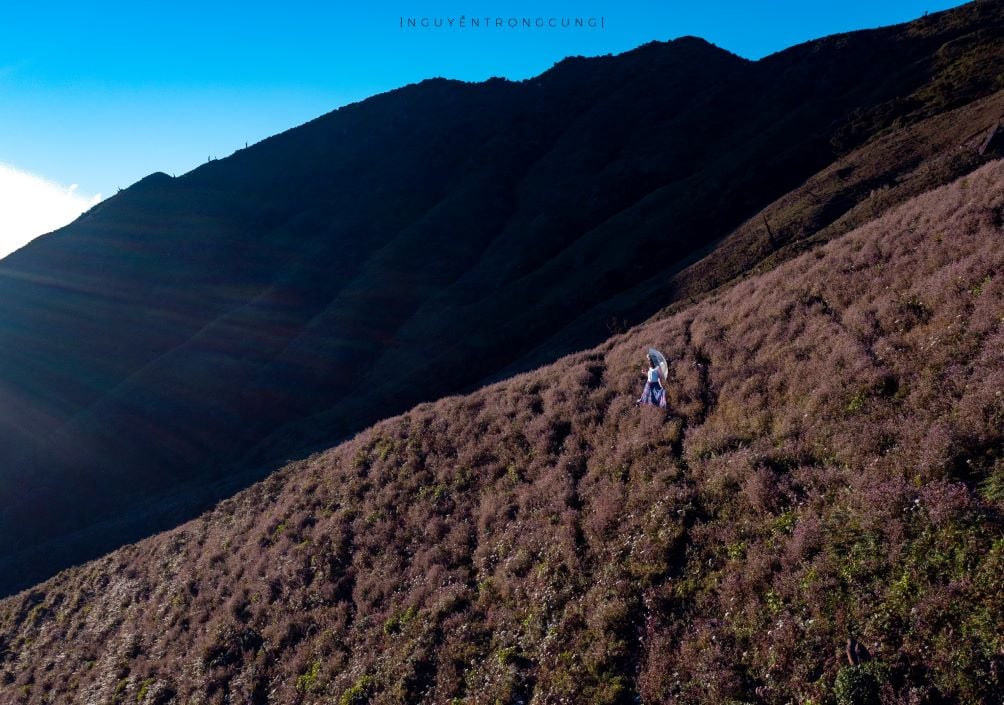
x,y
31,205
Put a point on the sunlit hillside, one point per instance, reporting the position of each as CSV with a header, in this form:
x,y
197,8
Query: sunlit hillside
x,y
829,468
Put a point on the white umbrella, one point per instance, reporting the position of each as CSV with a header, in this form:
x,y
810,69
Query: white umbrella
x,y
659,360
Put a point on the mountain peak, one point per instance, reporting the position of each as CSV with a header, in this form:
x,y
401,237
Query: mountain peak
x,y
157,178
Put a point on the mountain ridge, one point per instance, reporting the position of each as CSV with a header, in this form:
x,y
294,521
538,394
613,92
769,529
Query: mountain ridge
x,y
410,246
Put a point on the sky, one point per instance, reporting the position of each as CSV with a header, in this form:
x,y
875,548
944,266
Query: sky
x,y
94,96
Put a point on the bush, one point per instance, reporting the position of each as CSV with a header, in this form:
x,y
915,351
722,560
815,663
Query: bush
x,y
855,685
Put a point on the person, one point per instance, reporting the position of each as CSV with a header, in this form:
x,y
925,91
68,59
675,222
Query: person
x,y
654,392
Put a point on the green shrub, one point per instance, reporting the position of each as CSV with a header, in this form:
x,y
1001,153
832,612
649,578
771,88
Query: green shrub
x,y
992,488
359,693
399,621
307,682
144,689
855,685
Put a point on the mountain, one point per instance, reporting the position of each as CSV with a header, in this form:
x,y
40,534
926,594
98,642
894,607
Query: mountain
x,y
817,515
190,334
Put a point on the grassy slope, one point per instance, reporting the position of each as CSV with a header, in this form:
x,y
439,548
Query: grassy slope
x,y
831,465
852,190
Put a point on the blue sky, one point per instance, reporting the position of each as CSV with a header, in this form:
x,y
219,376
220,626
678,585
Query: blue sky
x,y
101,94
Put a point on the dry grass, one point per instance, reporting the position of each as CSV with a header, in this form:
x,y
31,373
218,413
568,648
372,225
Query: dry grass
x,y
831,465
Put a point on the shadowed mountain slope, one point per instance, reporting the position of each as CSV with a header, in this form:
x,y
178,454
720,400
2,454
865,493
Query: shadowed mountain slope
x,y
830,466
189,333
